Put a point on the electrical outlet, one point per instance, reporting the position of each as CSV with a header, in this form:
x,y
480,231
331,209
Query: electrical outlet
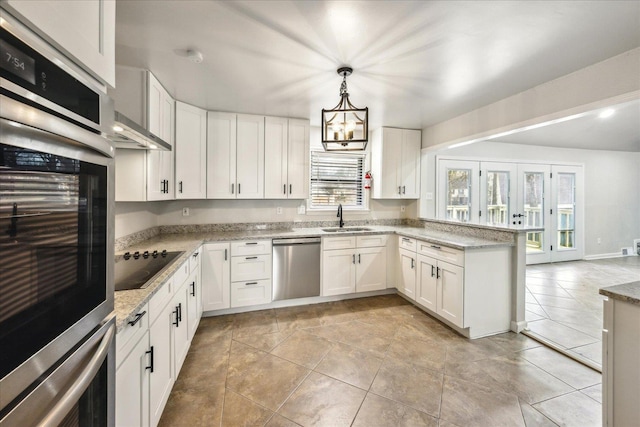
x,y
429,196
301,210
279,210
402,208
185,211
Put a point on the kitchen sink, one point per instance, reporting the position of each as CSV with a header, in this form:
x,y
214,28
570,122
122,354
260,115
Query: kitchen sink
x,y
345,229
135,271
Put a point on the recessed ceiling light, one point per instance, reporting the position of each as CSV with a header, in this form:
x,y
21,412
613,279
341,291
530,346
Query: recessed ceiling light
x,y
607,113
117,128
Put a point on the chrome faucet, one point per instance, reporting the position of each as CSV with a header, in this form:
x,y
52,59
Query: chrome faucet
x,y
340,215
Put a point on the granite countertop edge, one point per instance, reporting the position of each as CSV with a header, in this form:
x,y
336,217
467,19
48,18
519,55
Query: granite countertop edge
x,y
128,303
627,292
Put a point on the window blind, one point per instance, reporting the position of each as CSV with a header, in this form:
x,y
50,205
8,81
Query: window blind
x,y
336,179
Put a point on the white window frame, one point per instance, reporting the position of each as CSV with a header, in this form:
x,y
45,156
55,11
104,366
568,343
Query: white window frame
x,y
364,208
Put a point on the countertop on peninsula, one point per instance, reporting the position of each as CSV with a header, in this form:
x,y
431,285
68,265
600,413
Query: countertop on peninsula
x,y
627,292
129,303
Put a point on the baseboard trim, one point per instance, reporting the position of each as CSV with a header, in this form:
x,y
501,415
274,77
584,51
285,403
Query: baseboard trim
x,y
604,256
518,327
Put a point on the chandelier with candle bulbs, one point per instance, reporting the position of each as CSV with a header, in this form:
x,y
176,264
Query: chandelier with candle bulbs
x,y
345,127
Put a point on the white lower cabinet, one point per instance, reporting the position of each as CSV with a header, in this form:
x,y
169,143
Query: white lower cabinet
x,y
351,264
151,348
250,273
407,279
216,276
441,288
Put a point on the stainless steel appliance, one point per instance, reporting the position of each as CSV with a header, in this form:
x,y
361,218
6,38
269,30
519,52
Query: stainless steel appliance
x,y
296,268
56,238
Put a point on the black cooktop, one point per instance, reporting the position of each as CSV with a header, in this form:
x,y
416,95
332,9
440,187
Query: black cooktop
x,y
136,270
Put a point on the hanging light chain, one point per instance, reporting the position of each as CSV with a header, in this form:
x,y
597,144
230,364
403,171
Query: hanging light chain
x,y
343,86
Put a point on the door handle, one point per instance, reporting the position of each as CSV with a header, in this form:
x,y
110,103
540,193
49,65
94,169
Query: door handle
x,y
150,353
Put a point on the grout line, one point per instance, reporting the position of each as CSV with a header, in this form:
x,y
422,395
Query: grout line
x,y
561,350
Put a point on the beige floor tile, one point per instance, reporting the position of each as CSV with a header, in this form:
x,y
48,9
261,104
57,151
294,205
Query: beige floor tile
x,y
323,401
212,339
193,408
418,387
335,312
201,370
377,411
562,335
427,354
303,348
351,365
464,350
561,367
278,420
268,381
520,377
594,392
534,418
265,342
468,404
241,357
572,410
513,342
238,411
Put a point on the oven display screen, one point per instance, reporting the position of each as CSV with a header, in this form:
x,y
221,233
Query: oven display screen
x,y
18,63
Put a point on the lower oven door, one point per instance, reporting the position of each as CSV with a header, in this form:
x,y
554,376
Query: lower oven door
x,y
77,391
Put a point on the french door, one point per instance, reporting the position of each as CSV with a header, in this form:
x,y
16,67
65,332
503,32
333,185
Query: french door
x,y
542,196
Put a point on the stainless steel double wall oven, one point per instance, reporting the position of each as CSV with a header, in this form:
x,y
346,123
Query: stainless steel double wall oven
x,y
57,360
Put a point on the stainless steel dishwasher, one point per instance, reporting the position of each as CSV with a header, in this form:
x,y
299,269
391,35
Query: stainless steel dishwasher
x,y
296,268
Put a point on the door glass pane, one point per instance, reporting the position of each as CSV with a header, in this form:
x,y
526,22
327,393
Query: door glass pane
x,y
498,198
566,210
458,194
533,209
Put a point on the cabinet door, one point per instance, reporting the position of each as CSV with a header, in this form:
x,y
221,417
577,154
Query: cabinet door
x,y
252,292
410,164
276,158
298,159
221,155
160,118
180,328
407,280
338,272
451,292
391,159
83,29
371,269
194,304
216,276
161,379
191,152
132,386
427,282
250,157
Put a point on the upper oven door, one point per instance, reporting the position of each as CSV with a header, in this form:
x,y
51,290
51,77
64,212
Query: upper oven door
x,y
56,241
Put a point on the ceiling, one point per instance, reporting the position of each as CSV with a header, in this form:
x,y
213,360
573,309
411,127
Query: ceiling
x,y
416,63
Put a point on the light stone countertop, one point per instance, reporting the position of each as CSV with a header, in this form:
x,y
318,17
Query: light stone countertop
x,y
128,303
628,292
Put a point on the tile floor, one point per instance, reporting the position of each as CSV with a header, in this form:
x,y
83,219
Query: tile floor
x,y
563,304
372,362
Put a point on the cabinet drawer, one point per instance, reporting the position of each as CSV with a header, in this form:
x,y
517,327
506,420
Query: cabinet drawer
x,y
251,292
343,242
194,260
372,241
130,334
253,267
252,247
181,274
443,253
407,243
160,299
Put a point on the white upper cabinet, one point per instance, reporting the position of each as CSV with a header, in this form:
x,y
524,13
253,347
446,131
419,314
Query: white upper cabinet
x,y
235,156
161,122
191,152
84,30
286,173
395,163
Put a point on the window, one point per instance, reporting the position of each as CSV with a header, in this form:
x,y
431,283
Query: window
x,y
336,179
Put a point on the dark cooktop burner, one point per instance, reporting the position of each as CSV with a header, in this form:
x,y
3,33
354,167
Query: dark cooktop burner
x,y
135,270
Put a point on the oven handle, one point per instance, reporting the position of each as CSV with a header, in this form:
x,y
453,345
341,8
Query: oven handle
x,y
73,394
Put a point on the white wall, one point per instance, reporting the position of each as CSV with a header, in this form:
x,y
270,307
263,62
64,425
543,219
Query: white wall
x,y
612,195
136,216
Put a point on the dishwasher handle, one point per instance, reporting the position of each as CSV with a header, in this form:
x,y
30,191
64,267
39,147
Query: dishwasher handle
x,y
300,241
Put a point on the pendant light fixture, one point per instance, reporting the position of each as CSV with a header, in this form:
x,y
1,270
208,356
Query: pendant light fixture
x,y
345,127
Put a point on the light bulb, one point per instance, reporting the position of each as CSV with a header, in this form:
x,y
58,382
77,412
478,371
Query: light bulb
x,y
117,128
350,125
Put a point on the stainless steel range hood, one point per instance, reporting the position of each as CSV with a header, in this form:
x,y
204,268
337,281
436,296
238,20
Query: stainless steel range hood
x,y
129,134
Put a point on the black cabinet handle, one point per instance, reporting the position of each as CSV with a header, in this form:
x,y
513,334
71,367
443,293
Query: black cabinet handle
x,y
150,353
438,273
284,188
225,254
403,189
436,247
432,271
354,258
179,312
180,185
177,322
195,255
251,243
232,185
238,188
137,319
412,263
250,283
193,289
359,259
251,257
290,188
399,190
